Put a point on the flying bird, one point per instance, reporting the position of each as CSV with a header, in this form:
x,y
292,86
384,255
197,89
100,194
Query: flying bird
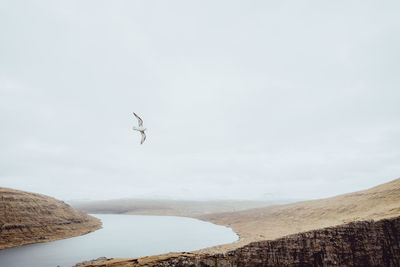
x,y
141,129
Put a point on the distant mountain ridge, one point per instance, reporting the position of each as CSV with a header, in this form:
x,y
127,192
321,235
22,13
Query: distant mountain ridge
x,y
29,218
166,207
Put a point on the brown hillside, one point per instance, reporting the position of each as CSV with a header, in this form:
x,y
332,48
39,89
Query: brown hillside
x,y
29,218
272,222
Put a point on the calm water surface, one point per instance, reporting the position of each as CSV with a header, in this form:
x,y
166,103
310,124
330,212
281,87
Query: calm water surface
x,y
121,236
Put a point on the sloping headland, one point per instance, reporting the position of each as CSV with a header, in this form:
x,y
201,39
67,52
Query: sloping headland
x,y
356,229
273,222
30,218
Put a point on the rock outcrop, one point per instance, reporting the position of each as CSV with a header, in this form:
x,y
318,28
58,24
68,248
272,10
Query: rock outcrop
x,y
29,218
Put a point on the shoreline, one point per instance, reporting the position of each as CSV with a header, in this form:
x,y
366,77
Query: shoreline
x,y
51,239
29,218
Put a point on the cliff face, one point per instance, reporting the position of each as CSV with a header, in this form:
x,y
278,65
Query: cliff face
x,y
29,218
355,244
365,243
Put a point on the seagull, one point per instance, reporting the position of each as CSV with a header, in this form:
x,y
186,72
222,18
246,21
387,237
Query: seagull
x,y
141,129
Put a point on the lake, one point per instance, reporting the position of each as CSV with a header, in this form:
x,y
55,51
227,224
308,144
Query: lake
x,y
122,236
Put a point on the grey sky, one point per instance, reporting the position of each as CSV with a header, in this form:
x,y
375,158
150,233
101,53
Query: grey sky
x,y
242,99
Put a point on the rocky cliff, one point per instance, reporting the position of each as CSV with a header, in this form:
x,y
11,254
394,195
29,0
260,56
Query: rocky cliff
x,y
29,218
364,243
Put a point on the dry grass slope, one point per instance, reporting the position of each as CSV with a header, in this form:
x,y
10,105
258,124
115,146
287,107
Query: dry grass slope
x,y
272,222
29,218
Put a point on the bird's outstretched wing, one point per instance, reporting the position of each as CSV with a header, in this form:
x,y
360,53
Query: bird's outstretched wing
x,y
143,137
139,119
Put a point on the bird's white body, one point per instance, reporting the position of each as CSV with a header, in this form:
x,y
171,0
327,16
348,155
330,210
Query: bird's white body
x,y
141,129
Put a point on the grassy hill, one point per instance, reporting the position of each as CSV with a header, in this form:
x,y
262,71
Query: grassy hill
x,y
272,222
29,218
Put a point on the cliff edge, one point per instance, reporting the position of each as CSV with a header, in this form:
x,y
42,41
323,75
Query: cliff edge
x,y
27,218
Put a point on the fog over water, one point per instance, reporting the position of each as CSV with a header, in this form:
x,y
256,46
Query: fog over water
x,y
242,99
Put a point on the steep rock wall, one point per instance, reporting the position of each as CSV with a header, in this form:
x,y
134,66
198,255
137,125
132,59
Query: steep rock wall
x,y
366,243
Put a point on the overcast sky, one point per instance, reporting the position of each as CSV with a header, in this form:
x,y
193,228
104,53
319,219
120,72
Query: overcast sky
x,y
241,99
